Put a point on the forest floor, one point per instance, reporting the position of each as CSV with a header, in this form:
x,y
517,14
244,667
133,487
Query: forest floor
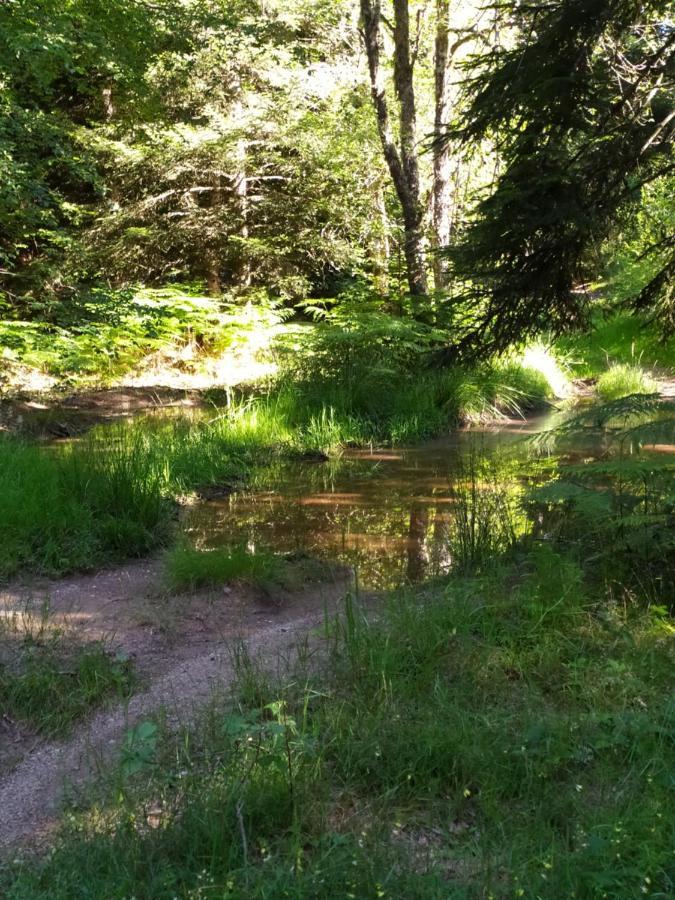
x,y
182,649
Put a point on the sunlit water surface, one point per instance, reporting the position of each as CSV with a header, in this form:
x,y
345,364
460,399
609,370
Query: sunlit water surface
x,y
384,513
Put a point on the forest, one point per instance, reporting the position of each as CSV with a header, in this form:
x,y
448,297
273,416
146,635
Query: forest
x,y
337,429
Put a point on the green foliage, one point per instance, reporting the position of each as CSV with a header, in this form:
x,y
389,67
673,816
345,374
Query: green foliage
x,y
566,72
186,567
617,338
112,495
139,748
616,511
624,380
484,521
49,680
56,61
103,334
467,740
376,373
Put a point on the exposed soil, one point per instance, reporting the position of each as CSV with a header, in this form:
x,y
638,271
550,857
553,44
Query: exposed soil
x,y
53,416
181,646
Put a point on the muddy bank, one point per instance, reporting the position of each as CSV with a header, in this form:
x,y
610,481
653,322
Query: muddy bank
x,y
59,417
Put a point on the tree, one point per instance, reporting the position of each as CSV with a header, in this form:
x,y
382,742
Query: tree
x,y
64,66
580,106
402,159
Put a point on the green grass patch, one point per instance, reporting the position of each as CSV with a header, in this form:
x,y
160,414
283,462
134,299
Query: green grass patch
x,y
507,735
49,680
111,495
187,568
624,380
622,338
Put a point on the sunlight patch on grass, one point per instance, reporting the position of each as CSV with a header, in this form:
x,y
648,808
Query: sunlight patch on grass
x,y
542,359
624,380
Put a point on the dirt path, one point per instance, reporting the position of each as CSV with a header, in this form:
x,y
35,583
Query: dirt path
x,y
182,647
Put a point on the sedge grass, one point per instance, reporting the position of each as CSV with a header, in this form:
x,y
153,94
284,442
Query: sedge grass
x,y
624,380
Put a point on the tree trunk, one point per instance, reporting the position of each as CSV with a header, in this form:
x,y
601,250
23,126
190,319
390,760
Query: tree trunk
x,y
241,185
441,188
108,103
212,260
403,165
381,248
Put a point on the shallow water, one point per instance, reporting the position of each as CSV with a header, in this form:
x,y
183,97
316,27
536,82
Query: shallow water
x,y
386,513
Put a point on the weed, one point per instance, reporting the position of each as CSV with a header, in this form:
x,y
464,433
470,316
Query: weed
x,y
189,568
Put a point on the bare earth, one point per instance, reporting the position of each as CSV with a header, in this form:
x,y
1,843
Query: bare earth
x,y
182,649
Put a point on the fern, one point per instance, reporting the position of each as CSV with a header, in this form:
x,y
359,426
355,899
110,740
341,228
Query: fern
x,y
620,419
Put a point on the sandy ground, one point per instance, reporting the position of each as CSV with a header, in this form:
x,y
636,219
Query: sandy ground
x,y
181,647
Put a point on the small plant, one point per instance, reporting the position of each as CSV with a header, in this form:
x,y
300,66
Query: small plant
x,y
624,380
186,567
139,748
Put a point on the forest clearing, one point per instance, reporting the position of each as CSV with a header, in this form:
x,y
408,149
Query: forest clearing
x,y
337,435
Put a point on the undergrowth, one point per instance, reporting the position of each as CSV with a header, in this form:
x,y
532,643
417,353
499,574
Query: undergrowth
x,y
621,338
505,735
49,679
101,334
112,494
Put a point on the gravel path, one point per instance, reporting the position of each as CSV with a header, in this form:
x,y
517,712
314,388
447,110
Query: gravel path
x,y
180,677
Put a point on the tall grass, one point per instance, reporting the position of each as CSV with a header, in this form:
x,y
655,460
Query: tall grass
x,y
483,525
404,406
624,380
507,735
112,495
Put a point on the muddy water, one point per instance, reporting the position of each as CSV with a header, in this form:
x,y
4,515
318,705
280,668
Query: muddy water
x,y
384,512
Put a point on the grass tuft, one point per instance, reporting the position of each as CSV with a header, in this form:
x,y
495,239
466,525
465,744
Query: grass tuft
x,y
49,679
624,380
187,568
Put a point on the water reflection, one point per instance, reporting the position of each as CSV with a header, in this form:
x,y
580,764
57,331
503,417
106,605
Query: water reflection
x,y
385,513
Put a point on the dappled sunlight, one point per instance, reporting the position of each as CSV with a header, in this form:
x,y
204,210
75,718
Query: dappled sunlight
x,y
543,360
